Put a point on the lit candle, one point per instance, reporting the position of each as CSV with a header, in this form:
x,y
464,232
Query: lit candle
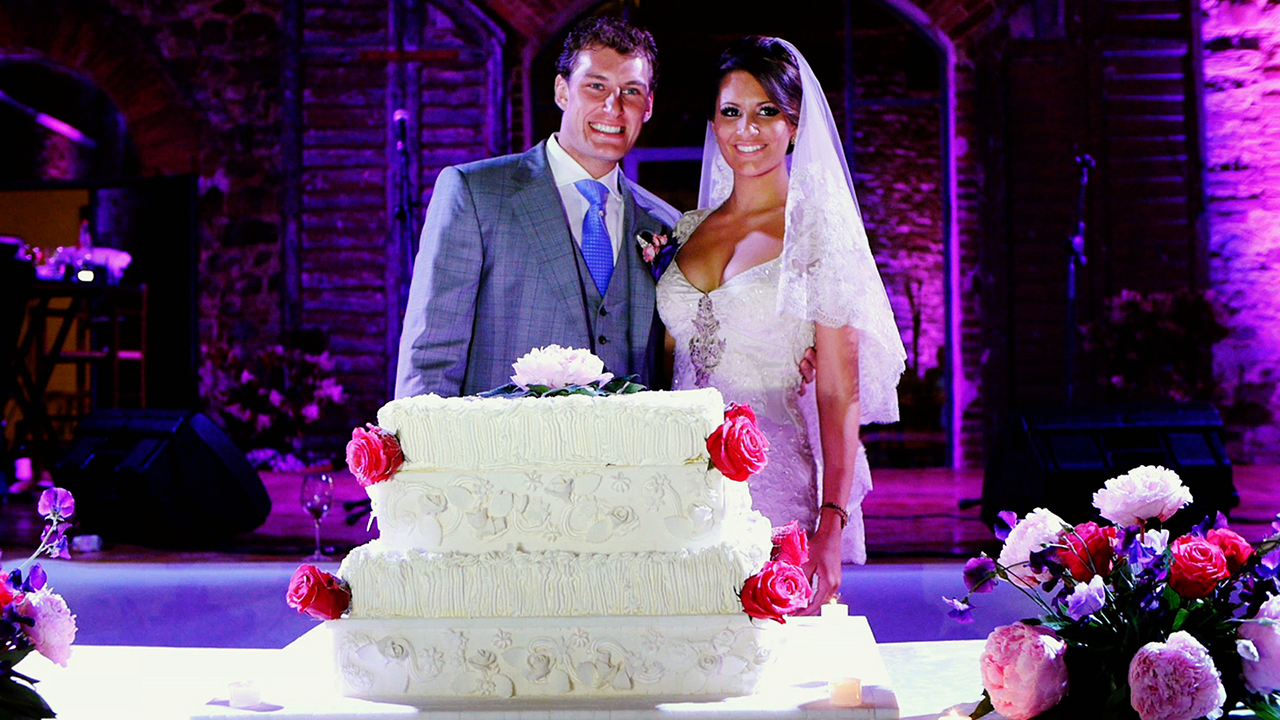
x,y
846,692
835,609
245,694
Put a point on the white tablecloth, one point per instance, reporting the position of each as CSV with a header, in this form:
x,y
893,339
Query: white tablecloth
x,y
914,681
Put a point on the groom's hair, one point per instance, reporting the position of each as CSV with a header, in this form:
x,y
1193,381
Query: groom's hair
x,y
771,64
613,33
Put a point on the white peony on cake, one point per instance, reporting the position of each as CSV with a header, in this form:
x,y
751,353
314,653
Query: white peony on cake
x,y
554,548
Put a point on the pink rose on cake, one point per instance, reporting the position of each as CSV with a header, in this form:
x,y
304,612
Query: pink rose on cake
x,y
373,455
778,590
317,593
556,367
738,448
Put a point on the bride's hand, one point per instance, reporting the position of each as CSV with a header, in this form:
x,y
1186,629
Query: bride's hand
x,y
808,367
824,562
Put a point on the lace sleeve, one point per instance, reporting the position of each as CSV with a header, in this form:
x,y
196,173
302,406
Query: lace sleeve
x,y
829,277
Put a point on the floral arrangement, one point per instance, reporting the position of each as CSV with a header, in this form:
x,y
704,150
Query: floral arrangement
x,y
657,250
373,454
553,370
1155,346
33,617
321,595
266,398
780,588
1134,624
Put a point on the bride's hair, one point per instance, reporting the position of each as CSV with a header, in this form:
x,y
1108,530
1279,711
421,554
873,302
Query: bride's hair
x,y
771,64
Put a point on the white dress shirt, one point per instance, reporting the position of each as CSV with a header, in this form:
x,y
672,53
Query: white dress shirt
x,y
566,171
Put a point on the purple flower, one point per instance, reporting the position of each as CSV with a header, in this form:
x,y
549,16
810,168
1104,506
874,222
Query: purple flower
x,y
54,541
36,579
55,504
1006,520
980,575
1087,598
1275,524
960,611
1175,680
1269,564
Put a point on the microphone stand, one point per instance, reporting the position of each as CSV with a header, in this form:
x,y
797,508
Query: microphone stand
x,y
1075,258
404,208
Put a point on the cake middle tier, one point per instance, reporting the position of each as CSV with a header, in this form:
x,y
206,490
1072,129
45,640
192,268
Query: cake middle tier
x,y
612,509
413,584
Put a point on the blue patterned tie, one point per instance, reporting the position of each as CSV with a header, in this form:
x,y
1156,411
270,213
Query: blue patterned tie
x,y
597,250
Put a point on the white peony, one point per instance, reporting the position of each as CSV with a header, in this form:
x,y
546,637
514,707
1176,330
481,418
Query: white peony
x,y
1141,494
1038,529
557,367
55,626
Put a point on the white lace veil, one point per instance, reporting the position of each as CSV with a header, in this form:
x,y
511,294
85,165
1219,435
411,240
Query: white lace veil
x,y
828,273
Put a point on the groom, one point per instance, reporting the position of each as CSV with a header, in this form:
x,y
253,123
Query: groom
x,y
528,250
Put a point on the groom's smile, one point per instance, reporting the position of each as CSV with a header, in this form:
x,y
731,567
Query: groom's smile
x,y
606,100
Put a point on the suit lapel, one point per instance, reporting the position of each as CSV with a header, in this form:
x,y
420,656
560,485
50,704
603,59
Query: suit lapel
x,y
642,284
545,224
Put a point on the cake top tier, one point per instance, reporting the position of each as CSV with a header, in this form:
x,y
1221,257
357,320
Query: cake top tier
x,y
474,433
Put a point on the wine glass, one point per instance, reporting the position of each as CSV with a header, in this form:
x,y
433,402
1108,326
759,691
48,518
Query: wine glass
x,y
316,497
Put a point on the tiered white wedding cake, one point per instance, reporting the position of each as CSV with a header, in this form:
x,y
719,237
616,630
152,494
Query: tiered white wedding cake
x,y
566,547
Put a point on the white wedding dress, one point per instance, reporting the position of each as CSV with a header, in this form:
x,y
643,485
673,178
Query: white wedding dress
x,y
735,340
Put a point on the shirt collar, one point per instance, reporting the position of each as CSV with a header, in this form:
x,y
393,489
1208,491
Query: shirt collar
x,y
567,171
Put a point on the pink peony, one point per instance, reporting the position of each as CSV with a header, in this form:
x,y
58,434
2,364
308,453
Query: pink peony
x,y
55,626
1038,529
1175,680
1141,494
1262,675
1023,670
557,367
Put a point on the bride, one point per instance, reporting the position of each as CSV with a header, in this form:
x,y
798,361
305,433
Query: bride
x,y
776,261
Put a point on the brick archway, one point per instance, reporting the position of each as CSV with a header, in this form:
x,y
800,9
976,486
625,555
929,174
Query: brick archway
x,y
90,39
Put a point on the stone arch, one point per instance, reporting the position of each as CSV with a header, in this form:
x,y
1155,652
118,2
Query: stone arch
x,y
89,38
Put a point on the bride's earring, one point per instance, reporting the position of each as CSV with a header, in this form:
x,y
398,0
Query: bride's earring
x,y
792,145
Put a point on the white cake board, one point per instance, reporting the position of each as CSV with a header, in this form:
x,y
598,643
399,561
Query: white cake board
x,y
301,684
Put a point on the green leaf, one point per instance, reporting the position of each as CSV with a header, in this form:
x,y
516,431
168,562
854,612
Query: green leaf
x,y
1179,619
19,701
1264,706
984,707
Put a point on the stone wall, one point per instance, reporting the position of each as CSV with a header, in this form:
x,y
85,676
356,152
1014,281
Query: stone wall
x,y
1242,181
224,55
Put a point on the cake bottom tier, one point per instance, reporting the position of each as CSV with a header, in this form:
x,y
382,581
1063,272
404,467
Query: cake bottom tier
x,y
427,661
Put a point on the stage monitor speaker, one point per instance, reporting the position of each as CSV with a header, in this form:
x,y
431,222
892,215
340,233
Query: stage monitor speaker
x,y
1056,457
167,478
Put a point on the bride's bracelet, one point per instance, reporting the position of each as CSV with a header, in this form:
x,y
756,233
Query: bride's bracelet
x,y
844,514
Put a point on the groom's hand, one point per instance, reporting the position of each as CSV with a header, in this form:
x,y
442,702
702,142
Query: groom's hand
x,y
808,367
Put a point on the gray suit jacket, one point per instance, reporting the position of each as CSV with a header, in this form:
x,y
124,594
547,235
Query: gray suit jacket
x,y
498,273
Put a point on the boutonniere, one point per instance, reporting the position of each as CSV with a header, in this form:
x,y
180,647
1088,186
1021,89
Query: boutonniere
x,y
657,249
